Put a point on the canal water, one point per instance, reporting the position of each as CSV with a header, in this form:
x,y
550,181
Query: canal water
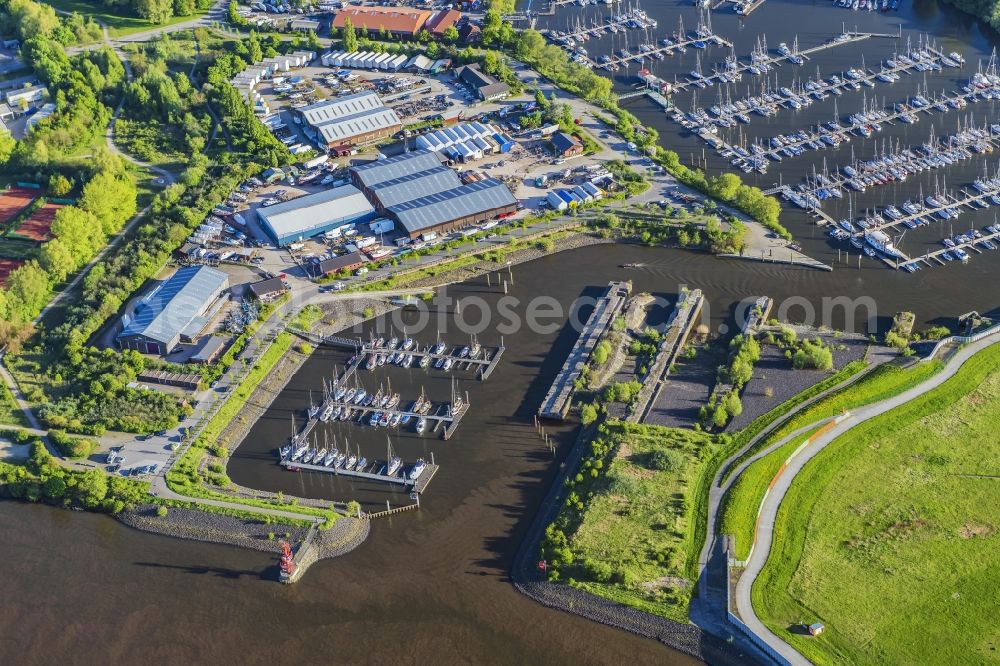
x,y
432,584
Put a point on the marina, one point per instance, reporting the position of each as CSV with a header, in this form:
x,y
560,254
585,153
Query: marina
x,y
648,50
377,471
871,234
559,397
861,124
892,166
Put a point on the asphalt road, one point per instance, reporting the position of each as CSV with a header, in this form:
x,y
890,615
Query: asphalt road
x,y
769,509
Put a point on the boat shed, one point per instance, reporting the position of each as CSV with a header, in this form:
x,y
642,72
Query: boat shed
x,y
314,214
419,63
594,190
556,201
366,176
452,209
414,185
353,120
176,309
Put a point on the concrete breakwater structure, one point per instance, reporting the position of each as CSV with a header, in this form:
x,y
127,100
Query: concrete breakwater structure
x,y
679,326
557,401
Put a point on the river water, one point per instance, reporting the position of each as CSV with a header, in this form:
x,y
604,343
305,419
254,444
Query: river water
x,y
433,584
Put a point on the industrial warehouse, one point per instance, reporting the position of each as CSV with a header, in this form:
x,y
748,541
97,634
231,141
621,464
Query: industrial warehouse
x,y
176,311
352,120
424,197
313,214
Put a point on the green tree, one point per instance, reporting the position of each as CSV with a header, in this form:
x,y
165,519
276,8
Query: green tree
x,y
256,52
111,198
27,291
59,185
155,11
734,407
57,259
720,417
348,36
588,414
450,34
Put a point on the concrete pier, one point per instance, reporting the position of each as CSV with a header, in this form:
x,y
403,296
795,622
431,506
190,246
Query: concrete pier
x,y
557,401
682,320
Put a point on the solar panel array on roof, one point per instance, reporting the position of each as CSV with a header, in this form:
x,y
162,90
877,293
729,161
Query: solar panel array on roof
x,y
380,171
461,202
175,304
414,185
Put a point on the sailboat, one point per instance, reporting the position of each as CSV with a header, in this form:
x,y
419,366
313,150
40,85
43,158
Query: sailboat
x,y
393,462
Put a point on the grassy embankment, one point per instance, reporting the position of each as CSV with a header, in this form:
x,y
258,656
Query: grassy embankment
x,y
738,513
888,536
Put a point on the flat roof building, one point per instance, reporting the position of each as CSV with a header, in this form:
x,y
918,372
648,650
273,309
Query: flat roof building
x,y
314,214
176,309
350,120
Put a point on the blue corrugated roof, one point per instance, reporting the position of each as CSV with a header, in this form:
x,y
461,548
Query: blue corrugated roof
x,y
177,302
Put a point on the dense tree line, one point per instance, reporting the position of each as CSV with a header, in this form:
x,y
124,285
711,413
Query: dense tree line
x,y
156,11
42,479
28,19
987,10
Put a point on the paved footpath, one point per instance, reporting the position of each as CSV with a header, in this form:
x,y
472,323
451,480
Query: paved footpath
x,y
769,509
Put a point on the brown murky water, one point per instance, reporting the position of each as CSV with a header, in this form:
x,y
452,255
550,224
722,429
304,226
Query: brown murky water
x,y
432,585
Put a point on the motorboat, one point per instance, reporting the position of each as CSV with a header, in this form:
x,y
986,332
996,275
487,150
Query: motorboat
x,y
417,469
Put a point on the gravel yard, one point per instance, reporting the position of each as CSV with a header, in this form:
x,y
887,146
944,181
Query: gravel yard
x,y
774,380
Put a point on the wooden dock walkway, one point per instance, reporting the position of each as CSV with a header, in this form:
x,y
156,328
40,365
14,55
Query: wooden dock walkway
x,y
374,472
557,401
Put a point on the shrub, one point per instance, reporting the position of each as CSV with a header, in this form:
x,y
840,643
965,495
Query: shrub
x,y
162,511
601,352
667,460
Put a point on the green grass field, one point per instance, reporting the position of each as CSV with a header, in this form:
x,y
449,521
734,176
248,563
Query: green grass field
x,y
639,523
10,413
888,537
738,513
118,25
